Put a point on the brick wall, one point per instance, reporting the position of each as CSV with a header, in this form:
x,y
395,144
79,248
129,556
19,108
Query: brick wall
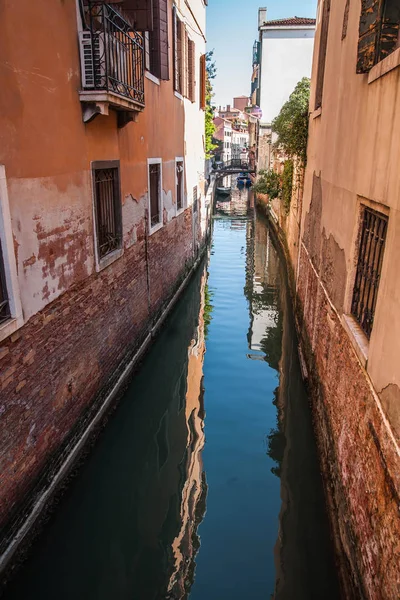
x,y
360,463
53,368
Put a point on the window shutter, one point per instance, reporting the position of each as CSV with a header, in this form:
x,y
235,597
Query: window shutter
x,y
203,81
192,69
186,69
368,34
177,48
140,12
164,48
323,44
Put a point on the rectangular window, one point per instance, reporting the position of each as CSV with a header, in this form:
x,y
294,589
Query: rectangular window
x,y
107,200
178,52
369,267
379,32
156,42
323,44
179,184
5,313
155,205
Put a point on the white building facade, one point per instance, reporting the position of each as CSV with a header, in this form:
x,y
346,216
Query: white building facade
x,y
285,52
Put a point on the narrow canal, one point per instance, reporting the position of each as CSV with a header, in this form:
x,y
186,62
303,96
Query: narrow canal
x,y
205,482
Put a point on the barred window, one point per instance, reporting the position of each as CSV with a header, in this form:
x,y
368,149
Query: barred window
x,y
107,197
379,32
369,267
179,184
155,193
4,304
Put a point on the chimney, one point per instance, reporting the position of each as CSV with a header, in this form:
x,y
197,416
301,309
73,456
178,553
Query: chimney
x,y
228,108
262,16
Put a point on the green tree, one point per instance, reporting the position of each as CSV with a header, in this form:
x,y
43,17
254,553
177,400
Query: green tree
x,y
287,183
268,183
291,125
211,72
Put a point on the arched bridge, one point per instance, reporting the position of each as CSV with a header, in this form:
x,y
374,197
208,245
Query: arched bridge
x,y
236,165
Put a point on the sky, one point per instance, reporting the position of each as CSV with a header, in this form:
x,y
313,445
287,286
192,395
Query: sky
x,y
231,32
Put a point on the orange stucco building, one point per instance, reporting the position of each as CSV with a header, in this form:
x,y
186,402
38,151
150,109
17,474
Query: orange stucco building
x,y
102,210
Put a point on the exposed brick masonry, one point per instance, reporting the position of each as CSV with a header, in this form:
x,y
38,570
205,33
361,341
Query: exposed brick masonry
x,y
52,368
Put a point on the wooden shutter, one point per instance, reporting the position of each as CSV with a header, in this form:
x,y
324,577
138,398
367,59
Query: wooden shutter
x,y
159,40
186,63
192,70
177,51
164,47
140,12
203,81
370,21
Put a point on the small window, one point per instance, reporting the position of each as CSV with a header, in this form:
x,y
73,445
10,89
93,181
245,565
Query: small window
x,y
155,206
5,313
369,267
107,197
379,32
179,184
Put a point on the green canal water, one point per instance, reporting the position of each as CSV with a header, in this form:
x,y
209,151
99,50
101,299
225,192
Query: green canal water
x,y
205,482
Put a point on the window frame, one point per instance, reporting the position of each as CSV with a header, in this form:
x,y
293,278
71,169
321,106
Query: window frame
x,y
101,262
363,242
159,225
180,159
9,266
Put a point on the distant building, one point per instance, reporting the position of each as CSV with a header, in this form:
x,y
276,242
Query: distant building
x,y
223,134
240,102
281,58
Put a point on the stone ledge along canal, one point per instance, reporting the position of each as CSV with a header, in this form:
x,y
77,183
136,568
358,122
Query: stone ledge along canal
x,y
205,483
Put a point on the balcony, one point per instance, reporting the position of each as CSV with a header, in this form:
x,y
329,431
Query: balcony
x,y
112,64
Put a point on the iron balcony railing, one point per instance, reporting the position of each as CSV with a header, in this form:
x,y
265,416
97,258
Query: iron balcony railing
x,y
112,54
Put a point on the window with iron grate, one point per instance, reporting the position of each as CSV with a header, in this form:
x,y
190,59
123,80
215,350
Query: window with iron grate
x,y
179,184
369,267
155,193
107,196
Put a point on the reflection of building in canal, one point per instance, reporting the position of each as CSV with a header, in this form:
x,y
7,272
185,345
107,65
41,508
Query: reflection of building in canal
x,y
262,277
236,205
193,498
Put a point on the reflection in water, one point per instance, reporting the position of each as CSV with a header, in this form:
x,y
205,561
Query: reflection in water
x,y
127,526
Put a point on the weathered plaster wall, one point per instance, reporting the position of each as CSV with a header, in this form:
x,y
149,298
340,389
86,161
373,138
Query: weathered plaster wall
x,y
78,323
353,158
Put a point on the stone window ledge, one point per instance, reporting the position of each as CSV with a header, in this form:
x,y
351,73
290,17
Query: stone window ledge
x,y
109,259
152,77
385,66
9,327
357,337
316,113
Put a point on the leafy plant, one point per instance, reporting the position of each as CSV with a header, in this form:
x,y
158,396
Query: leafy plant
x,y
268,183
291,125
211,72
287,184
